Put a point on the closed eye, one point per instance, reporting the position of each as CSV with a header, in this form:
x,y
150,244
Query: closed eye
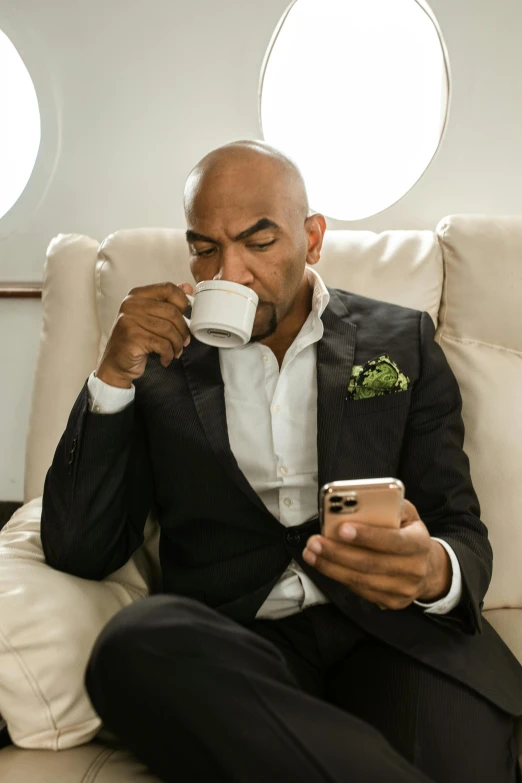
x,y
257,247
260,247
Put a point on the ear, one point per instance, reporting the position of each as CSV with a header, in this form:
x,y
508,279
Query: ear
x,y
315,226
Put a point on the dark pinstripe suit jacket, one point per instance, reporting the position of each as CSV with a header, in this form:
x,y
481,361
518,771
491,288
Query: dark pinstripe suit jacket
x,y
169,450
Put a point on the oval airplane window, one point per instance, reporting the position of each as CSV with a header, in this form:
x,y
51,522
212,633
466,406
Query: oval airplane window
x,y
357,93
19,126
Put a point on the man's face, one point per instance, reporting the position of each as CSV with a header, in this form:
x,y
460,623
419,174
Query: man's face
x,y
242,230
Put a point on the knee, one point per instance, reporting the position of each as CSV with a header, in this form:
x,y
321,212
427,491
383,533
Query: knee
x,y
117,645
143,618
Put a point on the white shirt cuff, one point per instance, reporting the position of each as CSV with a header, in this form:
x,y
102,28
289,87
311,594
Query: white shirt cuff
x,y
104,398
449,601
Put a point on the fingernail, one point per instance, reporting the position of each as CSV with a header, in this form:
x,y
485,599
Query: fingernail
x,y
309,556
315,546
179,354
348,532
187,341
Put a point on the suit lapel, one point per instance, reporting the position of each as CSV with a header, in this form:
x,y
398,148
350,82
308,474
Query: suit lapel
x,y
203,372
335,356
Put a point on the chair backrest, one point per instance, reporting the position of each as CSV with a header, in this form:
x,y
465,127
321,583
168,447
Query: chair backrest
x,y
465,274
480,332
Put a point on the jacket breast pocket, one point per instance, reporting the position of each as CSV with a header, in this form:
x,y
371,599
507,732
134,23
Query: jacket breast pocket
x,y
380,402
371,437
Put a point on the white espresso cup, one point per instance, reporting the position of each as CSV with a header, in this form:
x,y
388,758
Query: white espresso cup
x,y
222,313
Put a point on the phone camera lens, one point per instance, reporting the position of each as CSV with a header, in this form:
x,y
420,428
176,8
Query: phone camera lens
x,y
350,502
336,499
336,509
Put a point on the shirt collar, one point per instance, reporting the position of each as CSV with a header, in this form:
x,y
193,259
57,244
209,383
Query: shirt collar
x,y
321,295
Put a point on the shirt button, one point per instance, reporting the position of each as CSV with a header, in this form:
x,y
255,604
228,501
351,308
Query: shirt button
x,y
287,502
97,408
276,409
283,471
265,358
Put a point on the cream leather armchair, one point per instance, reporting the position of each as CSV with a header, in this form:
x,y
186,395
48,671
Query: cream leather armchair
x,y
467,274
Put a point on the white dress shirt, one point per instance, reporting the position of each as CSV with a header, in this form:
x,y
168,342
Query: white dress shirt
x,y
272,429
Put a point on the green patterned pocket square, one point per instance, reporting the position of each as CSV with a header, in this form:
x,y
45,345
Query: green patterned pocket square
x,y
377,377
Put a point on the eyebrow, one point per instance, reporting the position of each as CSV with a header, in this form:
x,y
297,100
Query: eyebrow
x,y
261,225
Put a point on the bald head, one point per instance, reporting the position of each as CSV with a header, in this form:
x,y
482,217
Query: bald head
x,y
251,170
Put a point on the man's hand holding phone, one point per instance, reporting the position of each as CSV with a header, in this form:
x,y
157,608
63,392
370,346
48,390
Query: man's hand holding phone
x,y
390,567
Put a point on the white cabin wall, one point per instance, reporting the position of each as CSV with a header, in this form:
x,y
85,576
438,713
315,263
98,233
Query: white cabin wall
x,y
135,92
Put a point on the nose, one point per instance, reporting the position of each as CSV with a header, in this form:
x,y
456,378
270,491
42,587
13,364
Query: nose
x,y
233,267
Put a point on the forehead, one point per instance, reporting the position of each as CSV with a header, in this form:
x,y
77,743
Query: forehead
x,y
233,215
235,196
233,182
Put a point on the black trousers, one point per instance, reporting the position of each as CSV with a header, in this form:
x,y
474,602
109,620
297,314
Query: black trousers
x,y
309,698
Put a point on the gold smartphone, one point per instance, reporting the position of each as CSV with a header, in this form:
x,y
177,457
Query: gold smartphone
x,y
368,501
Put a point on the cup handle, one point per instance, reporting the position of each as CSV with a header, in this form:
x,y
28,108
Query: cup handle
x,y
191,300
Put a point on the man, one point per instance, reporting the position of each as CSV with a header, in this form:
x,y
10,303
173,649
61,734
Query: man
x,y
266,657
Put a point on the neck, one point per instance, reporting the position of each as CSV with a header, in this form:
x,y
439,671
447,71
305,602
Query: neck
x,y
290,326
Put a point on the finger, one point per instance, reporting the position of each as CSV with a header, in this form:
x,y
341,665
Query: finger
x,y
186,288
164,318
406,540
408,512
144,340
145,308
167,347
387,589
367,561
161,328
163,292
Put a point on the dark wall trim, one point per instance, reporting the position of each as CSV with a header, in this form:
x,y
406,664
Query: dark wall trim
x,y
21,290
7,510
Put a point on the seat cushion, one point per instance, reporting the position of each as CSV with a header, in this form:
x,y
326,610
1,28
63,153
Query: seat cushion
x,y
95,762
49,621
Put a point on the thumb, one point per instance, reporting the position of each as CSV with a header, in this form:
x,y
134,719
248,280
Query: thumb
x,y
409,512
186,288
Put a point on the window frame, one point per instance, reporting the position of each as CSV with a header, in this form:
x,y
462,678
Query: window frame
x,y
425,7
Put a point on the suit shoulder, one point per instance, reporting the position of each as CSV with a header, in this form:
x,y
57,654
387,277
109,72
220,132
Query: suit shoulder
x,y
358,305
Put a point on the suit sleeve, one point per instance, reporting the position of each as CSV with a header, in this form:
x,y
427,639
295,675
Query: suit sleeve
x,y
436,473
98,491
